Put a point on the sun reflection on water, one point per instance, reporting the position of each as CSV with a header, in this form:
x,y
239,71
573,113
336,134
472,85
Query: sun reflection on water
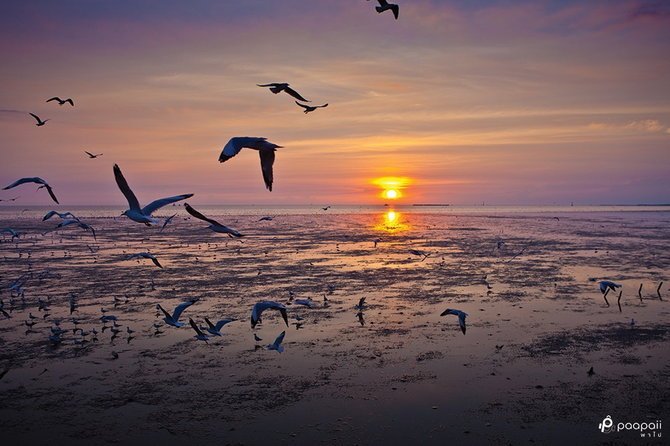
x,y
392,221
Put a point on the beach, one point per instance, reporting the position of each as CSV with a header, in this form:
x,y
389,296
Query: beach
x,y
395,372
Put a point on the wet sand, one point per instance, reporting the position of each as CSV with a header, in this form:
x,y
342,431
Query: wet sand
x,y
402,374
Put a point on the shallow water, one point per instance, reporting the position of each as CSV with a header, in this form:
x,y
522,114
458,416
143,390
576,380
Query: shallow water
x,y
400,374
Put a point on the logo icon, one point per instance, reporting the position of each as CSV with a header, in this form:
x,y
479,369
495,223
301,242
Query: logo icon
x,y
606,426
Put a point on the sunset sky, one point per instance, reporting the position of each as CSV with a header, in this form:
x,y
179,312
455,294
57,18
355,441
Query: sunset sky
x,y
507,102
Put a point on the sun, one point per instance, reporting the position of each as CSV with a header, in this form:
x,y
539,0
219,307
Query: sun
x,y
391,194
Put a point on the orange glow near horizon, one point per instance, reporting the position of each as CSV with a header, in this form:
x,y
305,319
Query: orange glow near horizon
x,y
392,222
392,187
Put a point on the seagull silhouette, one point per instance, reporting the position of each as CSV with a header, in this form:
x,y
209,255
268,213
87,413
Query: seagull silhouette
x,y
92,156
198,333
278,87
173,319
310,108
385,6
216,329
62,215
259,307
62,101
36,180
40,123
142,215
213,224
461,317
145,255
266,150
276,345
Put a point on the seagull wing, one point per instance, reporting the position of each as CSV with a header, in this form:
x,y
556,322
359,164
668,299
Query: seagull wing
x,y
322,106
231,148
199,216
267,160
70,101
396,10
221,323
125,189
49,215
167,315
209,323
306,107
22,181
55,98
51,193
37,118
279,340
180,309
157,204
295,94
461,321
195,327
89,154
274,84
156,262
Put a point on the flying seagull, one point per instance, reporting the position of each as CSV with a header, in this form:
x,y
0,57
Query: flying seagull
x,y
311,108
461,317
213,224
385,6
216,329
91,155
276,345
264,305
62,215
145,255
304,302
173,319
61,101
10,231
40,123
167,221
35,180
266,150
278,87
361,304
83,226
267,218
198,333
10,199
142,215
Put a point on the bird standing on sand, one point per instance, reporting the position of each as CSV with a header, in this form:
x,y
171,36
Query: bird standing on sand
x,y
311,108
278,87
259,307
62,101
266,151
385,6
213,224
135,213
461,317
40,122
36,180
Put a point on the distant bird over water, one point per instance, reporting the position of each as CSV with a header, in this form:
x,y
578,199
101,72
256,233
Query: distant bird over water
x,y
62,101
278,87
145,255
265,148
36,180
40,123
461,317
92,156
385,6
213,224
135,213
63,215
311,108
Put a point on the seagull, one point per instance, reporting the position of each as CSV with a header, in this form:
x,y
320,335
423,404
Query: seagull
x,y
216,329
92,156
10,199
142,215
40,123
461,317
276,345
213,224
416,252
311,108
326,208
61,101
173,319
264,305
145,255
198,333
63,215
305,302
361,304
10,231
283,86
83,226
385,6
606,284
36,180
265,148
268,218
591,372
167,221
256,338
